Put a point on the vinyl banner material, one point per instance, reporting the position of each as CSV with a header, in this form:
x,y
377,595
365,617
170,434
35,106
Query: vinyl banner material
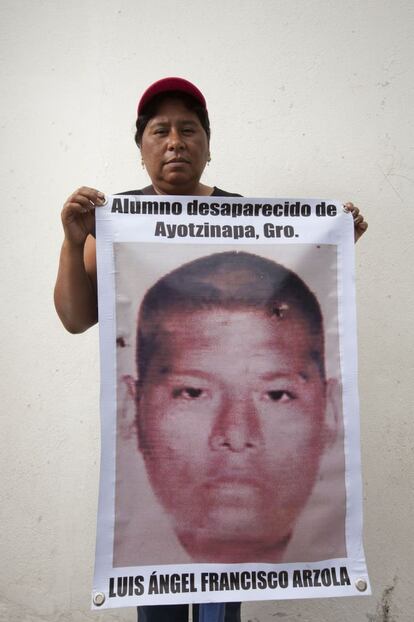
x,y
230,466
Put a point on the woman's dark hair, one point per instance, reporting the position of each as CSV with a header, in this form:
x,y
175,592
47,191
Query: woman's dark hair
x,y
151,109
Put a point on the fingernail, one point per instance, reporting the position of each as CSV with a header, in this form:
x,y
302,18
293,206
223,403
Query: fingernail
x,y
101,195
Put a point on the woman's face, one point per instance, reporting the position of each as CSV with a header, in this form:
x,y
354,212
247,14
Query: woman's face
x,y
175,149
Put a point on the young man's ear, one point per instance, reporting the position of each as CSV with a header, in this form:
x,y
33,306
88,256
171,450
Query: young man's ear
x,y
134,392
132,387
333,421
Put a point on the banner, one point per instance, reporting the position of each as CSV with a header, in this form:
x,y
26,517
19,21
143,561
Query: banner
x,y
230,460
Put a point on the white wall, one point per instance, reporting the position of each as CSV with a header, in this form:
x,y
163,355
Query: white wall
x,y
307,98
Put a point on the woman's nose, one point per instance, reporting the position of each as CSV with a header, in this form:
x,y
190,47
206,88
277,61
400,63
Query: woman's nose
x,y
175,140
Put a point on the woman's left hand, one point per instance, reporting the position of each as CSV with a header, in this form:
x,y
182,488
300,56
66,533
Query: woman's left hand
x,y
360,225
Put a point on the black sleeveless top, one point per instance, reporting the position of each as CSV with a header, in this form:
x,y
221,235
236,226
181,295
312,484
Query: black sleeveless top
x,y
217,192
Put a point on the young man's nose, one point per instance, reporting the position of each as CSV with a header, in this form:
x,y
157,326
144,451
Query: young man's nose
x,y
236,426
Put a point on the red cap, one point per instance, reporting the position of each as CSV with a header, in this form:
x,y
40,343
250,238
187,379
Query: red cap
x,y
171,84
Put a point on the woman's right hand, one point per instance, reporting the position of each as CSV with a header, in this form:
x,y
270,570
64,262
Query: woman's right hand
x,y
78,214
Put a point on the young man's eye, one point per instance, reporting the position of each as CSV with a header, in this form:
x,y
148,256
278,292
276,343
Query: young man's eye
x,y
279,395
187,393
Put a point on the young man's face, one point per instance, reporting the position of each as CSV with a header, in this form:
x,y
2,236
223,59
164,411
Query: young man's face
x,y
231,423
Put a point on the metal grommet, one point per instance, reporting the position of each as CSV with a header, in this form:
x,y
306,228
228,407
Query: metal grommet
x,y
98,599
361,585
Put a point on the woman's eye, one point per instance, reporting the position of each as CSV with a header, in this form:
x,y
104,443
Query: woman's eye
x,y
187,393
280,396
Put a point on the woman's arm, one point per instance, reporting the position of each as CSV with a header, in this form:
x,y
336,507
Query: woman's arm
x,y
75,289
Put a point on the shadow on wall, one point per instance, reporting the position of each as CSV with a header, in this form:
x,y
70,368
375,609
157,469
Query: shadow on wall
x,y
383,612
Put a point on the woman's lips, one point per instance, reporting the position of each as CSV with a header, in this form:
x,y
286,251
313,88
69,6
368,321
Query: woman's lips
x,y
177,161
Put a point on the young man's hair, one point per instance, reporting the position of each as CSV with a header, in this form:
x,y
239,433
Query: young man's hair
x,y
233,281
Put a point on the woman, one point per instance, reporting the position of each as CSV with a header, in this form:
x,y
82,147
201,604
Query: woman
x,y
173,135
